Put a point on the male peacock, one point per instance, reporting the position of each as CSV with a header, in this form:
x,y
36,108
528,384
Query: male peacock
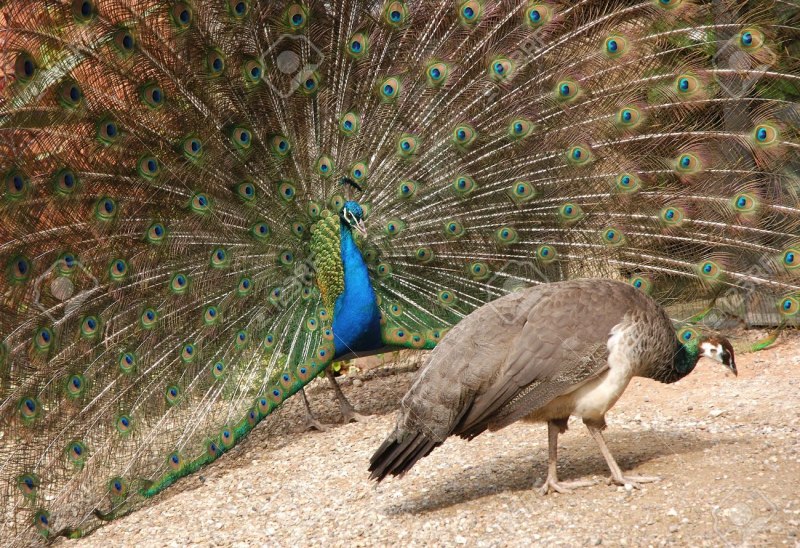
x,y
179,258
568,349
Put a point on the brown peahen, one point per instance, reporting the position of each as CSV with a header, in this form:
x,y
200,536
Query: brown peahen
x,y
543,355
207,202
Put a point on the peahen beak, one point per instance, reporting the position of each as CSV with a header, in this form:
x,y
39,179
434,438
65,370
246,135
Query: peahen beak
x,y
732,366
361,227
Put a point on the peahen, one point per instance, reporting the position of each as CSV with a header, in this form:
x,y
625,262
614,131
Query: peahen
x,y
185,185
566,349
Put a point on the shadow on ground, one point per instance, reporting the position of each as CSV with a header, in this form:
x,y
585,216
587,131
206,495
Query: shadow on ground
x,y
519,472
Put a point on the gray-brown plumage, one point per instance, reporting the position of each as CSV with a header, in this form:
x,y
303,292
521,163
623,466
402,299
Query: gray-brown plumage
x,y
543,355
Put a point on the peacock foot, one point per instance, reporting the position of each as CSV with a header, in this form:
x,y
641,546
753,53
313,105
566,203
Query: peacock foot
x,y
563,487
633,481
350,415
310,422
313,424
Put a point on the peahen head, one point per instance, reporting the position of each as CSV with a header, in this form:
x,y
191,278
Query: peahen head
x,y
694,346
352,217
718,349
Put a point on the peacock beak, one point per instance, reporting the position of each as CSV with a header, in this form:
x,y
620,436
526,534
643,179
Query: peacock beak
x,y
361,227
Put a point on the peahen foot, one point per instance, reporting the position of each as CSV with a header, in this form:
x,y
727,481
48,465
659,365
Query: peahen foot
x,y
617,477
551,484
311,423
349,414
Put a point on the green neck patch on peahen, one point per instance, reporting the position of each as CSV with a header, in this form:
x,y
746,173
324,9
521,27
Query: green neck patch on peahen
x,y
179,258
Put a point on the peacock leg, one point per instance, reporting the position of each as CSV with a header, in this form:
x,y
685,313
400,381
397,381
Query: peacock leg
x,y
348,412
311,423
554,428
616,473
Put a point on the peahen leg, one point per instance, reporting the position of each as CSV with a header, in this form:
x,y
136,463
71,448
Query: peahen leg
x,y
311,423
348,412
616,473
554,428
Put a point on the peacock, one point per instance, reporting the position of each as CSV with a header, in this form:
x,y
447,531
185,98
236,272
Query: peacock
x,y
206,203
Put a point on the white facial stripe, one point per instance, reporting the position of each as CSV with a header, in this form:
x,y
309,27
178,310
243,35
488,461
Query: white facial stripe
x,y
713,351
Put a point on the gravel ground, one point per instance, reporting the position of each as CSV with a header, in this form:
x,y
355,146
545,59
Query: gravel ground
x,y
727,450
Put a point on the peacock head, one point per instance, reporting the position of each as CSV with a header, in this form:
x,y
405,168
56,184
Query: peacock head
x,y
718,349
352,216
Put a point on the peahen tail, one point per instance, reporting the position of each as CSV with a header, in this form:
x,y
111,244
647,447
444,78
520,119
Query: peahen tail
x,y
166,163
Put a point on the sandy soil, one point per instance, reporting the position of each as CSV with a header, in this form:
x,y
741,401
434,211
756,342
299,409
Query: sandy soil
x,y
728,451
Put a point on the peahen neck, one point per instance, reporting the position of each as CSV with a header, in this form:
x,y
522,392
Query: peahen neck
x,y
684,359
356,317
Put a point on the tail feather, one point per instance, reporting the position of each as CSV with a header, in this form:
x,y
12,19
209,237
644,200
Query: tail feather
x,y
399,453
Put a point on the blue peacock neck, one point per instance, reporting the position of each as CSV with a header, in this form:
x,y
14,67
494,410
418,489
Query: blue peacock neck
x,y
356,317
